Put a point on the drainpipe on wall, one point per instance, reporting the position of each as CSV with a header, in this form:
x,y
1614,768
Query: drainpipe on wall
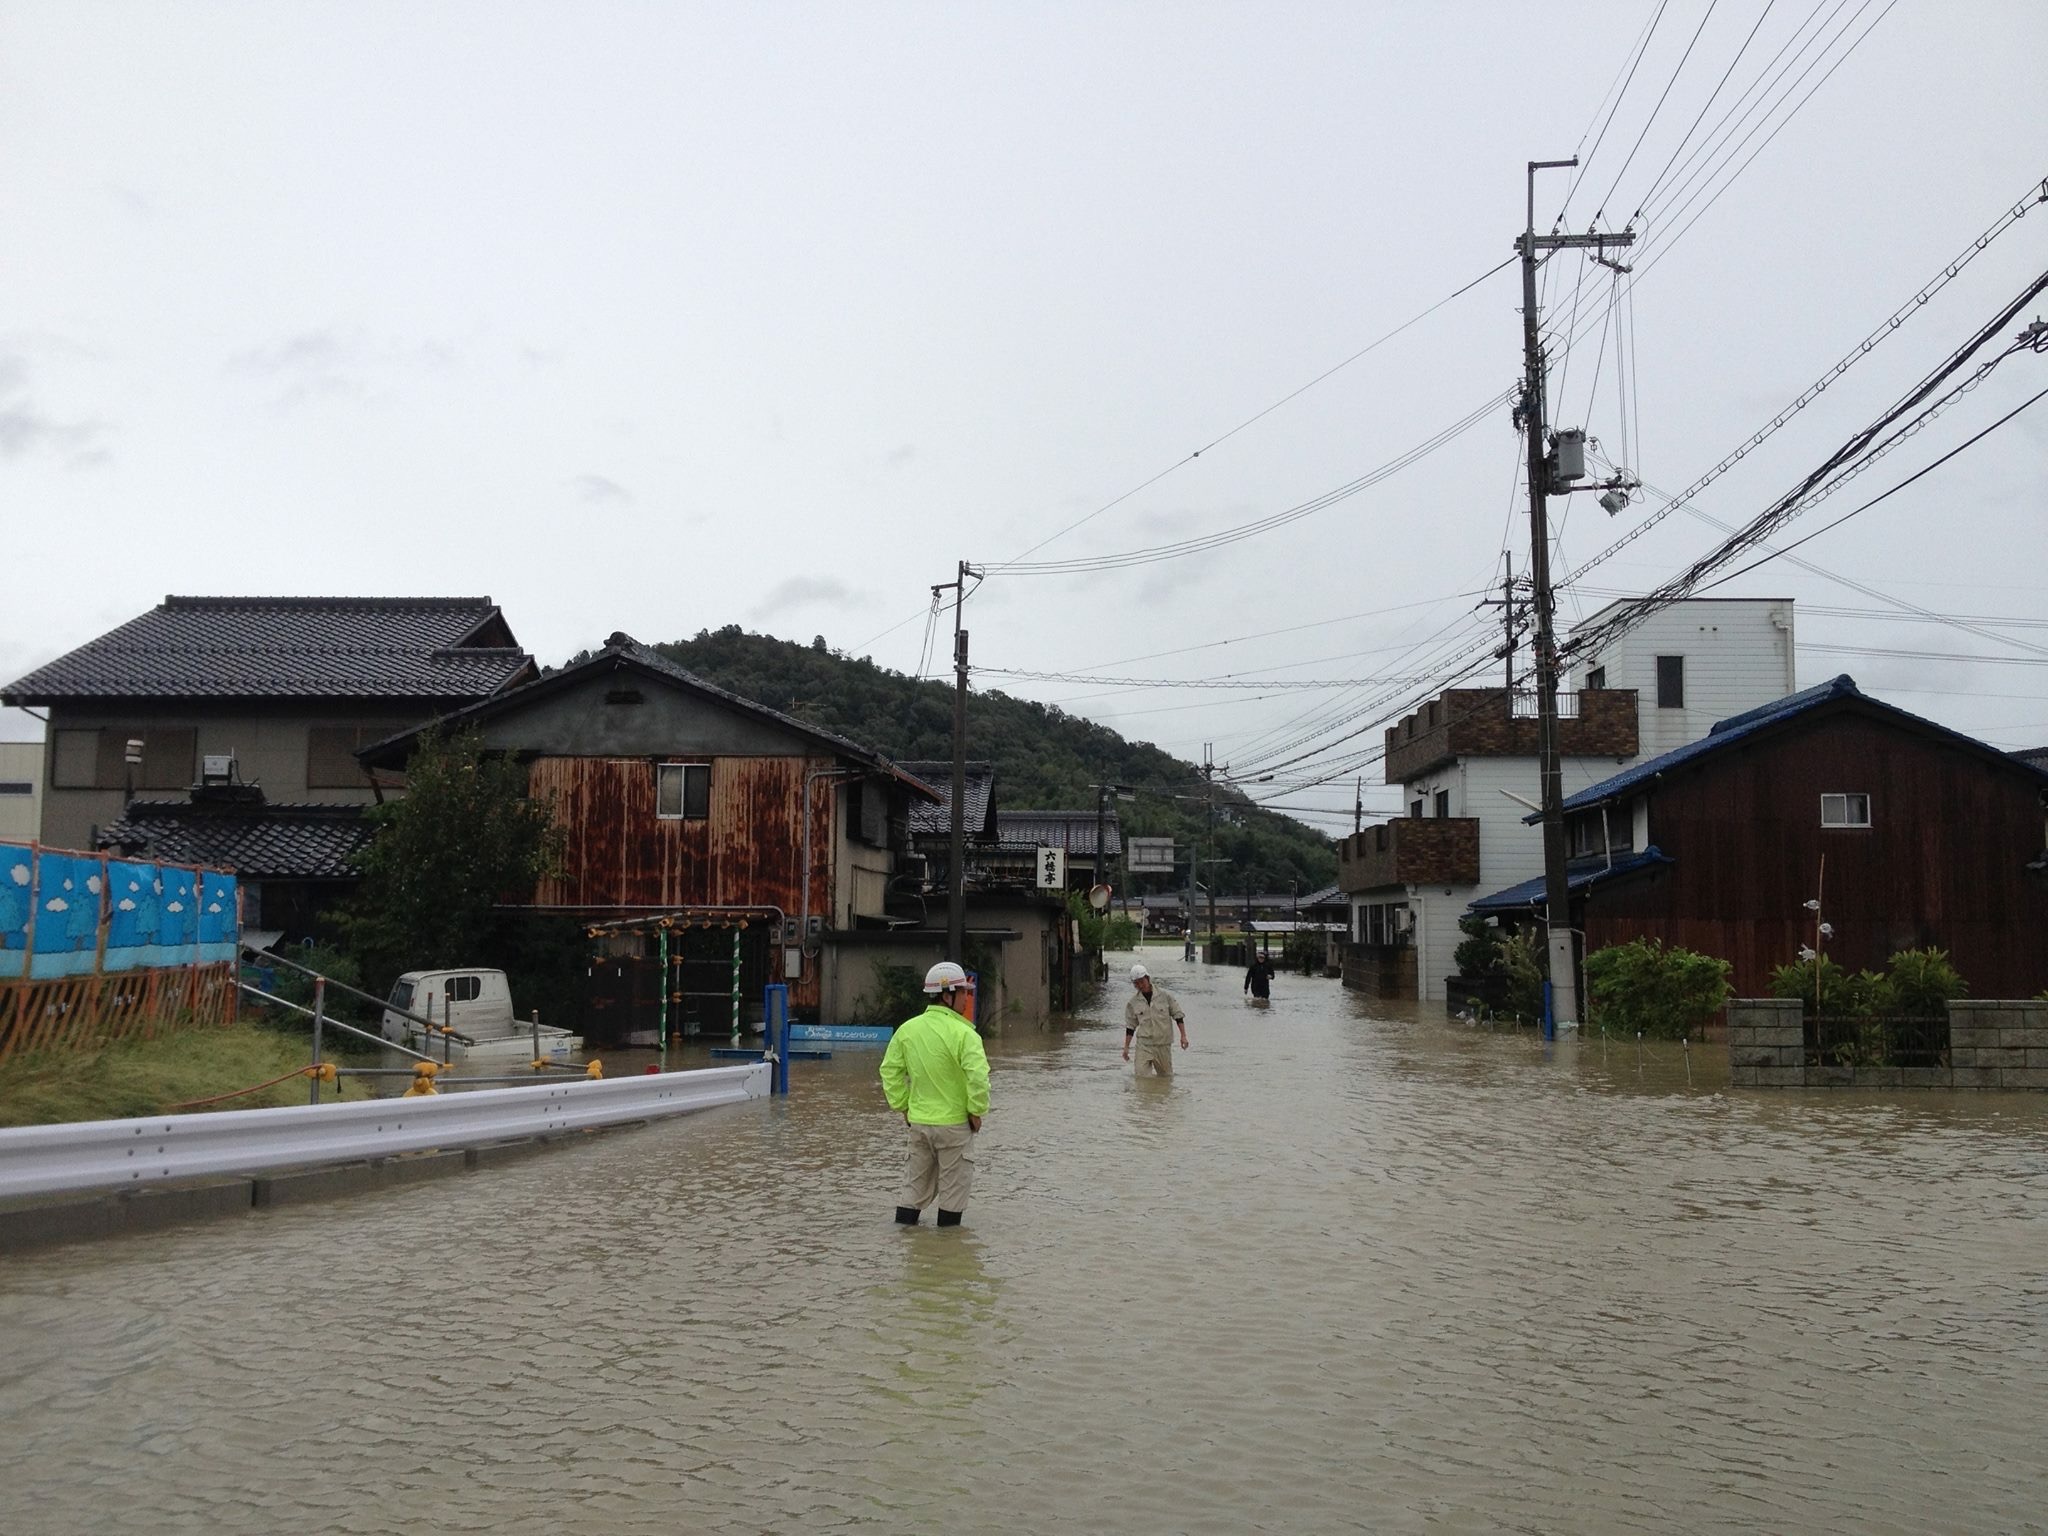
x,y
803,935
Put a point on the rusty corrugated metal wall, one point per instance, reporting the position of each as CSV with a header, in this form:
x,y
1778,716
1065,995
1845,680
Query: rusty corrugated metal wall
x,y
747,852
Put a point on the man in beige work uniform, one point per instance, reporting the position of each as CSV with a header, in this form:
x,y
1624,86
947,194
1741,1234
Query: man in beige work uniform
x,y
1150,1018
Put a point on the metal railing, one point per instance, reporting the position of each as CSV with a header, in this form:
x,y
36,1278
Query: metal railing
x,y
132,1154
1884,1040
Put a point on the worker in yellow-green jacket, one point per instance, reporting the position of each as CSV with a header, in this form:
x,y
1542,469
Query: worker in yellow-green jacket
x,y
936,1076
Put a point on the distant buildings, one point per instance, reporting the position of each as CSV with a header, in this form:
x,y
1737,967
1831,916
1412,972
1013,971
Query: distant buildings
x,y
1466,763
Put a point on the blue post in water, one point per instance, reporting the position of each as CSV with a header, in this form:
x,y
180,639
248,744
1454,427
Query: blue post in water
x,y
775,1033
1549,1018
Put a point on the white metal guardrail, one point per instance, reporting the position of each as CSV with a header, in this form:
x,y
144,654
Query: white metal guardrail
x,y
129,1154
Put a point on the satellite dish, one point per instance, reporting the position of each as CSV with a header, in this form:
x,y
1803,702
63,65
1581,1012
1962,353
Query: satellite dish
x,y
1098,897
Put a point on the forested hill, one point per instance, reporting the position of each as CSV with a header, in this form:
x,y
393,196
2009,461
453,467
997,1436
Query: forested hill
x,y
1045,758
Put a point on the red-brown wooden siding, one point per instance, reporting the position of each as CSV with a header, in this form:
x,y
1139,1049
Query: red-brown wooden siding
x,y
747,852
1940,865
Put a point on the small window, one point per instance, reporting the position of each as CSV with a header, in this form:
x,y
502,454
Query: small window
x,y
682,791
331,753
1596,677
1845,810
465,989
1671,682
1432,712
16,787
1415,810
401,995
1443,803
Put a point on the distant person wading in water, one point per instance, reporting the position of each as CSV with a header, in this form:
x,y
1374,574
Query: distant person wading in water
x,y
1150,1018
1258,977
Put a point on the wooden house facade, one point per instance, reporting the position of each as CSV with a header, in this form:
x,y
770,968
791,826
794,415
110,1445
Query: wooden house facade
x,y
1908,834
690,809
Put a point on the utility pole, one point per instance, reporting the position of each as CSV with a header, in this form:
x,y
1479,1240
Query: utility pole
x,y
1543,471
1209,836
1358,805
956,873
1506,604
1101,857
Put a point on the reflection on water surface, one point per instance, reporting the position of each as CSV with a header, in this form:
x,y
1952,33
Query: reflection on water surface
x,y
1354,1267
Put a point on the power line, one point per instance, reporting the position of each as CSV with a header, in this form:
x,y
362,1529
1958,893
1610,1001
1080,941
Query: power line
x,y
1851,458
1203,543
1927,470
1705,106
1878,650
1261,415
1889,327
1642,48
1659,107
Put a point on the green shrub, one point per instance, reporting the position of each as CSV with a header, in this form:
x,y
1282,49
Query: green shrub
x,y
1923,983
1842,993
1522,967
1478,955
1643,987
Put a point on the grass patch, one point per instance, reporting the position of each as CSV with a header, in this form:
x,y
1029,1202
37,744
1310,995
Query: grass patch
x,y
146,1077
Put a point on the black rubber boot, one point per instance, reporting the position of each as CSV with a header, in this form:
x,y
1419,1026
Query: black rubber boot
x,y
908,1214
949,1218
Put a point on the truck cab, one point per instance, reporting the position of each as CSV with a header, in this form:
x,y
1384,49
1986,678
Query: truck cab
x,y
476,1003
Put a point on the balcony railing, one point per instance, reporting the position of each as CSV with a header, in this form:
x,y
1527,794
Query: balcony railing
x,y
1437,850
1491,722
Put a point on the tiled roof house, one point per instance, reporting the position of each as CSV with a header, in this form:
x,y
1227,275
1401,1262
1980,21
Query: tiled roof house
x,y
224,729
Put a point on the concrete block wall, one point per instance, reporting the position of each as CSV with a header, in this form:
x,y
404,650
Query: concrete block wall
x,y
1766,1043
1993,1044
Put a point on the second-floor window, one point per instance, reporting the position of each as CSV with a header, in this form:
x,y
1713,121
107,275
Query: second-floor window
x,y
1671,682
682,791
98,759
1443,803
1596,677
1845,810
331,754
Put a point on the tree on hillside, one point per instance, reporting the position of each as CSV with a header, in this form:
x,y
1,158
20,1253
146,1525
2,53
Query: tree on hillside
x,y
1045,758
464,838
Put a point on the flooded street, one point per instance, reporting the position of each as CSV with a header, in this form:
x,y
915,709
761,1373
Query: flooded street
x,y
1355,1267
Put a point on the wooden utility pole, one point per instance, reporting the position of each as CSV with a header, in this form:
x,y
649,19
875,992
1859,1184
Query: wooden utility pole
x,y
956,872
1546,474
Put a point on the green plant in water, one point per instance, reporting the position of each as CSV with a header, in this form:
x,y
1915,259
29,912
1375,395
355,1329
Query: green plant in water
x,y
1662,993
1522,964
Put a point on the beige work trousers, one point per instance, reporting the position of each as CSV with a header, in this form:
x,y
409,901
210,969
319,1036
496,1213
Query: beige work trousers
x,y
1157,1053
941,1166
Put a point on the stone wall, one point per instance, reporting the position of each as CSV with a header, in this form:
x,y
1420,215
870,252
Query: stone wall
x,y
1992,1044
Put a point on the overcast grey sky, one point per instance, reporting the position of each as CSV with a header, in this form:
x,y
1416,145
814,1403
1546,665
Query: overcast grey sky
x,y
664,317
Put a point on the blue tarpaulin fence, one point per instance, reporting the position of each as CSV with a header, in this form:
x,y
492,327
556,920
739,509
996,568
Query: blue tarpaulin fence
x,y
85,914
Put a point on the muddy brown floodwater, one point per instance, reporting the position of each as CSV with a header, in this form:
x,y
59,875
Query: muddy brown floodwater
x,y
1356,1267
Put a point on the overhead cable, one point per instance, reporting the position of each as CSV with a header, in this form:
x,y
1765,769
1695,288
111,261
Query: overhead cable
x,y
2010,216
1858,452
1261,415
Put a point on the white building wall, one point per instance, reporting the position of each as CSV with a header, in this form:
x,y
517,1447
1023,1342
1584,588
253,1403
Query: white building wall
x,y
1738,654
1509,851
21,808
1437,909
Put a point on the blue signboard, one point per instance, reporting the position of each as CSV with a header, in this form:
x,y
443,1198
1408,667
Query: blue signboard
x,y
52,905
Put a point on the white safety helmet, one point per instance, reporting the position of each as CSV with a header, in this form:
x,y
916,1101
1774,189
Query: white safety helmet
x,y
944,976
1138,974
